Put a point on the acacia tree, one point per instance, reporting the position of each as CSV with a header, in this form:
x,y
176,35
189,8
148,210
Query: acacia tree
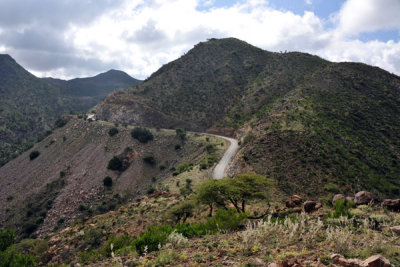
x,y
238,191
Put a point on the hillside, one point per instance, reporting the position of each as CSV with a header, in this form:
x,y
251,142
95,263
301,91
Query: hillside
x,y
313,125
29,106
65,181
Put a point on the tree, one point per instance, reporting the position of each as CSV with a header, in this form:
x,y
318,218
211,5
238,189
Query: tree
x,y
182,211
143,135
115,164
238,191
34,154
245,187
209,193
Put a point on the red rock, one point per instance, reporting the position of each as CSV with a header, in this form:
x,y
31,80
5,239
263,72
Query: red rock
x,y
363,197
309,206
376,261
318,206
396,230
297,209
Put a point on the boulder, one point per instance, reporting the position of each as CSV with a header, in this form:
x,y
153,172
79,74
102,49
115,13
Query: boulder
x,y
363,197
391,204
318,206
396,229
376,261
297,209
349,199
294,201
309,206
337,197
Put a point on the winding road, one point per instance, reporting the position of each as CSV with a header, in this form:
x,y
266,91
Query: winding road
x,y
219,170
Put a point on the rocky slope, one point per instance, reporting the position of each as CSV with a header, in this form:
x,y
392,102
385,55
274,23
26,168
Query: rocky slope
x,y
66,179
29,106
314,126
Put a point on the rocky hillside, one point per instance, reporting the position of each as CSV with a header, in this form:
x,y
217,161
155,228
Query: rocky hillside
x,y
29,106
313,125
64,176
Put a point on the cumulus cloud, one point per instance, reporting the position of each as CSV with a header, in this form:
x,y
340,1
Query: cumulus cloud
x,y
69,38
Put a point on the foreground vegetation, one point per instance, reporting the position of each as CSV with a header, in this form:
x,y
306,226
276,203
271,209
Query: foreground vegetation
x,y
170,229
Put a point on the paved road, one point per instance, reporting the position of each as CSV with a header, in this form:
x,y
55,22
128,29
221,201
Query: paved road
x,y
219,170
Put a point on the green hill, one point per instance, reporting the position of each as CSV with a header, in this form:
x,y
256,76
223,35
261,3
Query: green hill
x,y
311,124
29,106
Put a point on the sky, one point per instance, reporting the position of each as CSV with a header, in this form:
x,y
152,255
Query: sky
x,y
80,38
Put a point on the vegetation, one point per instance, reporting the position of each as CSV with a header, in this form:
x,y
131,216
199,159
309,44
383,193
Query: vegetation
x,y
115,164
113,131
143,135
34,154
149,159
107,181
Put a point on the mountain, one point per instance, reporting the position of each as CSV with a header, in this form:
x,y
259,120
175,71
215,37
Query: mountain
x,y
29,106
87,92
311,124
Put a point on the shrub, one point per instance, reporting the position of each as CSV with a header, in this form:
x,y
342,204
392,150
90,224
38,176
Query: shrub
x,y
152,238
118,243
190,230
229,220
115,164
150,190
34,154
177,146
113,131
143,135
149,159
11,258
6,239
108,181
181,133
341,208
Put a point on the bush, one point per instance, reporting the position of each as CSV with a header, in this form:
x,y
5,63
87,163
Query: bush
x,y
150,190
190,230
113,131
341,208
108,181
181,133
34,154
181,211
118,243
115,164
149,159
6,239
152,238
11,258
229,220
143,135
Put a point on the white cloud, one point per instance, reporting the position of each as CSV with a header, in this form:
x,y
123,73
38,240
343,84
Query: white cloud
x,y
139,36
357,16
308,2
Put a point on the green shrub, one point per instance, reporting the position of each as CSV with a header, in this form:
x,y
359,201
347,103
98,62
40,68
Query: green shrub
x,y
149,159
115,164
229,220
152,238
11,258
150,190
6,239
143,135
190,230
331,187
34,247
113,131
341,208
107,181
181,211
34,154
118,243
177,146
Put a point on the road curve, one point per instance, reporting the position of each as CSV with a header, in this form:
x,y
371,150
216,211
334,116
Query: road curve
x,y
219,170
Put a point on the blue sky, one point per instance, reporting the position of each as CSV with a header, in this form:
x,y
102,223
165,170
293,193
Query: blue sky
x,y
74,38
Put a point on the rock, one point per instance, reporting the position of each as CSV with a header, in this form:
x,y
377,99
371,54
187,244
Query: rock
x,y
363,197
337,197
318,206
391,204
396,229
376,261
342,261
297,209
282,264
309,206
349,199
294,201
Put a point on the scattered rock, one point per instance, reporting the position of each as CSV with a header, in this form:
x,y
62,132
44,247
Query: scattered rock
x,y
349,199
297,209
309,206
392,204
376,261
363,197
318,206
396,229
337,197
